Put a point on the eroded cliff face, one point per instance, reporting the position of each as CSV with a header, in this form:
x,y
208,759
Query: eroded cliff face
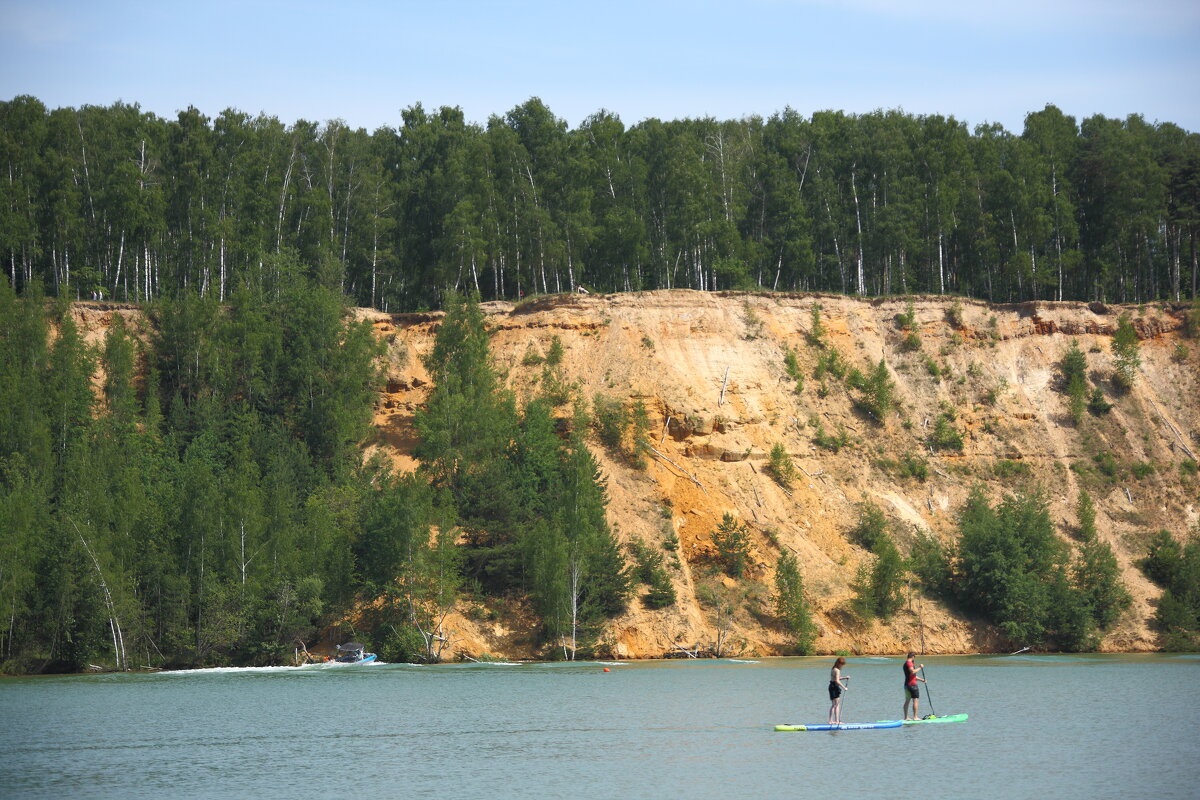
x,y
710,370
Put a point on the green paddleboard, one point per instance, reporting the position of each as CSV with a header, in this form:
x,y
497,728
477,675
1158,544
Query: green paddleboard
x,y
931,718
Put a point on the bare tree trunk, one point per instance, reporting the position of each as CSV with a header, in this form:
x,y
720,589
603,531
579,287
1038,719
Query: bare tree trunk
x,y
862,287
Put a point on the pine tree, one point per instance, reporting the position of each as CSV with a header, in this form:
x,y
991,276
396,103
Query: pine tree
x,y
790,605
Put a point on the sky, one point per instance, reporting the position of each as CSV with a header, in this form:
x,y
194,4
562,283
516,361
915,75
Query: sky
x,y
362,62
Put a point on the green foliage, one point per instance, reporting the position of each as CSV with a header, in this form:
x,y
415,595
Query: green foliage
x,y
1107,464
790,606
612,421
1180,353
871,528
833,442
554,354
639,420
1177,570
878,587
1126,353
877,393
829,362
907,466
1142,469
780,465
396,215
1097,578
532,357
1011,568
1097,404
911,343
1086,511
816,331
1006,469
930,563
791,365
1163,559
753,323
945,436
954,315
907,321
649,570
1191,321
732,541
1073,369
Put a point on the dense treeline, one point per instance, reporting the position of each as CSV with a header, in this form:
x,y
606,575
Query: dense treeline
x,y
210,503
118,201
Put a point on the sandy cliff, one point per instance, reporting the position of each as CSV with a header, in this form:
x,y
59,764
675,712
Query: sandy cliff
x,y
710,369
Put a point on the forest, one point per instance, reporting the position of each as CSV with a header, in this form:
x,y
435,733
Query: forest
x,y
118,203
210,504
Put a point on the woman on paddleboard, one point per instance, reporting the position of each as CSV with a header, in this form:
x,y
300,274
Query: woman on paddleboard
x,y
835,691
911,693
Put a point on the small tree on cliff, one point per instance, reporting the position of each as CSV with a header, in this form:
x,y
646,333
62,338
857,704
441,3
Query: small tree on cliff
x,y
732,540
1125,349
790,605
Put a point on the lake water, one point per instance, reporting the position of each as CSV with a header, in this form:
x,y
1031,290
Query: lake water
x,y
1040,726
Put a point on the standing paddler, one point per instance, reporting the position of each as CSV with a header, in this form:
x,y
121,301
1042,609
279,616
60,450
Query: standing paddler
x,y
911,693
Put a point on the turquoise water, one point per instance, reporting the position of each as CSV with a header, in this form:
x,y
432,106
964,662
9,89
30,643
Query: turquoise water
x,y
1045,726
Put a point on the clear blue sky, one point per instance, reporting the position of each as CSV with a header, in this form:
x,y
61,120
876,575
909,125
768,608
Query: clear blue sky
x,y
362,62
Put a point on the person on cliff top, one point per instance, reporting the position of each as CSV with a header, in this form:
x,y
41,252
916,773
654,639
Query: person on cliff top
x,y
836,688
911,693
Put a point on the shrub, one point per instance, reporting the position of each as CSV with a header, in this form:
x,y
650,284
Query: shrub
x,y
1188,468
1107,464
908,466
791,365
955,314
816,333
612,420
554,355
1097,405
833,443
1006,469
830,362
871,528
877,392
910,343
944,436
532,357
732,540
780,465
649,570
1142,470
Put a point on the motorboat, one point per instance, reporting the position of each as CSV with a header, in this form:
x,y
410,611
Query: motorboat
x,y
353,653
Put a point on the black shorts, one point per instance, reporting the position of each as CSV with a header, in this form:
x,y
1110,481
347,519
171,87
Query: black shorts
x,y
835,690
913,691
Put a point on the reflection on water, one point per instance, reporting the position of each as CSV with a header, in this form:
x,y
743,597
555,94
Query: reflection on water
x,y
1054,726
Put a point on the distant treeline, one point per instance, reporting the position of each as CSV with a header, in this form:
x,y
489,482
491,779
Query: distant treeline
x,y
118,201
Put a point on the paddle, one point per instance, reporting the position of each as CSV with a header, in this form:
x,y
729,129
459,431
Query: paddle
x,y
928,694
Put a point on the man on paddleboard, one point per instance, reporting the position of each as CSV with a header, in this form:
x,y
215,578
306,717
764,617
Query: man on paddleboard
x,y
911,693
